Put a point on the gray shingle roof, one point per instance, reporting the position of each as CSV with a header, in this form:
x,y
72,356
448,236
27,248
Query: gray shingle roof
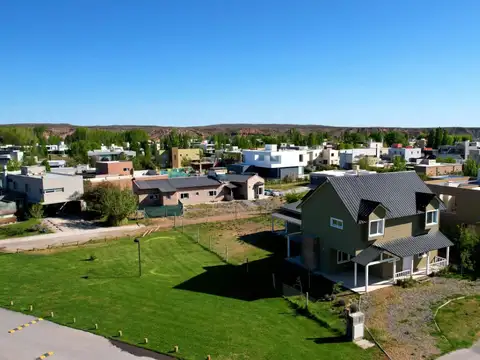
x,y
292,207
172,185
367,255
396,191
413,245
236,177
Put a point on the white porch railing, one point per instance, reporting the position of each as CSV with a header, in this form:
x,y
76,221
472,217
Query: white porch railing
x,y
403,274
438,263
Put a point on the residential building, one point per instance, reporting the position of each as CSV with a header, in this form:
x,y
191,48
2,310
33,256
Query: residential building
x,y
162,158
110,153
421,143
181,156
430,167
7,155
461,197
318,177
370,231
348,157
328,156
208,148
61,147
57,163
244,186
273,163
187,190
39,186
407,153
123,167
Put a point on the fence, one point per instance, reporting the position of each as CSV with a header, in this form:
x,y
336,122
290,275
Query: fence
x,y
163,211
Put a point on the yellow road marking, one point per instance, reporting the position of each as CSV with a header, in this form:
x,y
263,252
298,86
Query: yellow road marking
x,y
24,325
47,354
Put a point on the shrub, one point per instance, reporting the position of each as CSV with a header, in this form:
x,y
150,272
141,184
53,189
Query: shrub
x,y
407,283
36,211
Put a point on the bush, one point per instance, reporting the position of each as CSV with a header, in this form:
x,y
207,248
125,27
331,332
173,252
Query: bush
x,y
407,283
36,211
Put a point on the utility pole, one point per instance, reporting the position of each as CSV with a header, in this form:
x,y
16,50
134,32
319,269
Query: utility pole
x,y
137,240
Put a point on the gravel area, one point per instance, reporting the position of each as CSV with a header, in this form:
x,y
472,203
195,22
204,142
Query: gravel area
x,y
402,319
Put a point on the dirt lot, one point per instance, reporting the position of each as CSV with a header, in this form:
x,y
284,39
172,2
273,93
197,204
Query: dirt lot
x,y
402,319
232,207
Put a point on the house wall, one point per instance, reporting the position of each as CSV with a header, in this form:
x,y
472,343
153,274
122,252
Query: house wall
x,y
276,159
435,170
151,198
249,190
122,181
179,154
72,185
114,168
464,203
316,225
200,195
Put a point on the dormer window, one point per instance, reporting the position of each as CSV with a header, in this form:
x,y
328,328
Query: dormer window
x,y
431,217
376,227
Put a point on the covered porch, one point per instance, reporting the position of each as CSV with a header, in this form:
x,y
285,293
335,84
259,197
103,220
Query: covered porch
x,y
414,257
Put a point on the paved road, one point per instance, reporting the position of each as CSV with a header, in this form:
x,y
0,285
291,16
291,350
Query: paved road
x,y
65,343
464,354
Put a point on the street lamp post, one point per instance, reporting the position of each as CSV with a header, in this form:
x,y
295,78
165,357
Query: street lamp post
x,y
137,240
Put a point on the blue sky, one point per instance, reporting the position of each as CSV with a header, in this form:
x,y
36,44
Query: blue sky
x,y
186,62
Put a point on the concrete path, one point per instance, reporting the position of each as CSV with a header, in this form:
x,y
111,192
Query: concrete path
x,y
43,337
464,354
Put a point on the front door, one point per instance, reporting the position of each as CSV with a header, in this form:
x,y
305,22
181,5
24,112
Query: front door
x,y
407,263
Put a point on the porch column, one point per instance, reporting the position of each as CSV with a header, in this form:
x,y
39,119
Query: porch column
x,y
394,270
411,269
288,246
428,263
448,255
366,278
355,274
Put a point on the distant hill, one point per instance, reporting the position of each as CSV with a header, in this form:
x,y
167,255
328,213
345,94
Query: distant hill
x,y
63,130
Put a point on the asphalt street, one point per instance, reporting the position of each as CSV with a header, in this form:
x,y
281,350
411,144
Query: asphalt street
x,y
63,342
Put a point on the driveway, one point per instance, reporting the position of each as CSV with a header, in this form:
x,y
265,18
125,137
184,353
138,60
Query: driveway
x,y
65,343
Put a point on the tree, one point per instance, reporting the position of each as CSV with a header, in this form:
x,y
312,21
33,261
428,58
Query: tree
x,y
396,137
399,164
46,164
363,163
468,244
13,165
29,161
470,168
431,139
111,202
36,211
186,162
438,138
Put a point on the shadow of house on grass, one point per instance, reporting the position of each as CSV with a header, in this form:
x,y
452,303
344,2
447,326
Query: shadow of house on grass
x,y
234,281
266,240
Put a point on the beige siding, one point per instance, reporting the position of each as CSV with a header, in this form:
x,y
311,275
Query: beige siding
x,y
199,196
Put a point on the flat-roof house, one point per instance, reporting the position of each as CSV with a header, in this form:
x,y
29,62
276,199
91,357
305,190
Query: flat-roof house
x,y
39,186
370,231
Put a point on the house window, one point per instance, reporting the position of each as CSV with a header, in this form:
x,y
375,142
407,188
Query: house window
x,y
154,197
376,227
300,158
54,190
197,193
184,195
342,257
212,193
169,197
325,162
126,169
336,223
431,217
260,191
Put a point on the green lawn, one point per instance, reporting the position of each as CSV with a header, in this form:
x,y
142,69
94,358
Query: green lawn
x,y
23,228
285,186
460,323
186,297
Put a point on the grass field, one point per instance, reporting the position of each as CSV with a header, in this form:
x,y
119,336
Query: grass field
x,y
460,323
23,228
285,186
187,297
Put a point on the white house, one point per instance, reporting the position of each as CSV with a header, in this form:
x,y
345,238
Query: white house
x,y
407,153
273,163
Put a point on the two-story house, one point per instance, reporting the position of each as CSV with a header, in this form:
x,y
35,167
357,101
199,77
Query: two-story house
x,y
274,163
372,229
